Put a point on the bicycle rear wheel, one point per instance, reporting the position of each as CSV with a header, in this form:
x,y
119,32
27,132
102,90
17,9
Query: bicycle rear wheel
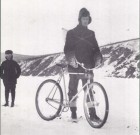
x,y
96,100
49,99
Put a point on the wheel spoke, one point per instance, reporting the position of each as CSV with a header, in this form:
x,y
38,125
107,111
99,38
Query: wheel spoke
x,y
96,105
48,108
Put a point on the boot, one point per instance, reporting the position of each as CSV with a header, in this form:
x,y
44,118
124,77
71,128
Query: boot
x,y
6,99
12,104
73,112
6,104
74,115
93,116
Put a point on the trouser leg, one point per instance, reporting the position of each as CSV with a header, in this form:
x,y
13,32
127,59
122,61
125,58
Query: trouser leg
x,y
84,81
7,90
92,110
73,84
13,87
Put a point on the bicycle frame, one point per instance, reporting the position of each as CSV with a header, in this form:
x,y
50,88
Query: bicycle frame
x,y
87,85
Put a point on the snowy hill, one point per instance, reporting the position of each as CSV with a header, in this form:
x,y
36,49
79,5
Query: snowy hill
x,y
42,65
121,59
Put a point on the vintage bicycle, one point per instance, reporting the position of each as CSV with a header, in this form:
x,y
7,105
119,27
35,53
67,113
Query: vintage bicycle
x,y
51,101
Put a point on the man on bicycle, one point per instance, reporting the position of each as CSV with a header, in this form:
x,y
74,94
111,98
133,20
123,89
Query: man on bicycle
x,y
81,44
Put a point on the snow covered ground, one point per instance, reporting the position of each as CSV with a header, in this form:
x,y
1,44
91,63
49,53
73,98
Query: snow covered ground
x,y
23,119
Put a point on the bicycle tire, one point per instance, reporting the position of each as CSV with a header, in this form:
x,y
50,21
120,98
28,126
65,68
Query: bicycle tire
x,y
59,91
106,111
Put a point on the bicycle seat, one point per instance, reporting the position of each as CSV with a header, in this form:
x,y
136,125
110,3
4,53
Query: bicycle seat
x,y
62,65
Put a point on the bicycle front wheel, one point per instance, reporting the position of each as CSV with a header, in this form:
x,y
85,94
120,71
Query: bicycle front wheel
x,y
49,99
96,105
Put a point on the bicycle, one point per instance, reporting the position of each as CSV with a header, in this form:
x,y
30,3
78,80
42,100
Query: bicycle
x,y
51,101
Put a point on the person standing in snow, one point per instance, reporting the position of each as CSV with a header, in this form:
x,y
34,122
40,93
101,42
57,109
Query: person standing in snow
x,y
9,72
82,44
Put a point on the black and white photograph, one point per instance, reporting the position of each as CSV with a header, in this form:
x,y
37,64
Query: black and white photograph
x,y
70,67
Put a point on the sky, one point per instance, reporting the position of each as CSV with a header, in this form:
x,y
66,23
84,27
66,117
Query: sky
x,y
35,27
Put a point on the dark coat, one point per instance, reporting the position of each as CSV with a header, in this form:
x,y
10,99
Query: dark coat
x,y
10,71
82,43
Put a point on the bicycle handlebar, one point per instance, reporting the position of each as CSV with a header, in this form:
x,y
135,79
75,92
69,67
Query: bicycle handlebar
x,y
82,65
75,64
